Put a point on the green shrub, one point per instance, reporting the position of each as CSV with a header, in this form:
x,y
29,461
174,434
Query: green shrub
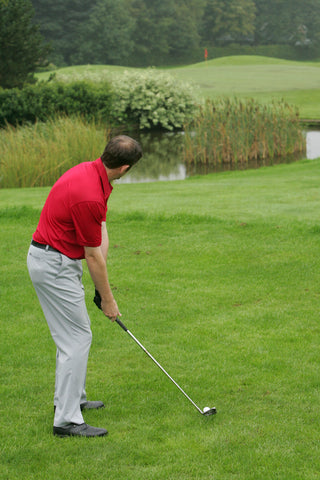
x,y
148,99
46,100
151,99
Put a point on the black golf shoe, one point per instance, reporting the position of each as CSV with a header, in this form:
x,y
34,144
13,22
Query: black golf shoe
x,y
90,405
82,430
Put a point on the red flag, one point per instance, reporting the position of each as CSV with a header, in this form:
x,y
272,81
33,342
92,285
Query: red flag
x,y
205,54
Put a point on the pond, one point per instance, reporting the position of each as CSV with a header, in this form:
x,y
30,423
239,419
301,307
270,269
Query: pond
x,y
313,144
162,158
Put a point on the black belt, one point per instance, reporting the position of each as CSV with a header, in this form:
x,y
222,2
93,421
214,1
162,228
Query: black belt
x,y
44,247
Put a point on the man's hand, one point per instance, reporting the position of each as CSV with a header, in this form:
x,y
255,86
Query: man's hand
x,y
109,308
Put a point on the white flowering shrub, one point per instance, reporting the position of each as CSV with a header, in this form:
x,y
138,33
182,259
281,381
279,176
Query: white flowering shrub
x,y
152,99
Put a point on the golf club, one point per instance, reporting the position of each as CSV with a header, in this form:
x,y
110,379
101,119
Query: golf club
x,y
206,411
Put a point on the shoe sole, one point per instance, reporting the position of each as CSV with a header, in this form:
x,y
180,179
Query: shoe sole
x,y
97,432
63,435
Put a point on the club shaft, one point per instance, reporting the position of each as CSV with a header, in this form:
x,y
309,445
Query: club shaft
x,y
158,364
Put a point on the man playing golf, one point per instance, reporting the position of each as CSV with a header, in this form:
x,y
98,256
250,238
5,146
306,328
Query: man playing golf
x,y
72,227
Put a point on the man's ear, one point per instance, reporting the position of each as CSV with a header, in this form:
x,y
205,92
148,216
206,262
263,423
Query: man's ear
x,y
124,168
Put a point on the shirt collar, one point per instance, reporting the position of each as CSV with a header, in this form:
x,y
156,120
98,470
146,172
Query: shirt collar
x,y
106,185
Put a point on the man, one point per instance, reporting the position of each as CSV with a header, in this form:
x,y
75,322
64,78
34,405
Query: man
x,y
72,227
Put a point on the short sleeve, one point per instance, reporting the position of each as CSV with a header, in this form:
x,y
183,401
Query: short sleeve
x,y
87,218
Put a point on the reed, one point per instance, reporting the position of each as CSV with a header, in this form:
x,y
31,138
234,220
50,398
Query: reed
x,y
237,132
37,155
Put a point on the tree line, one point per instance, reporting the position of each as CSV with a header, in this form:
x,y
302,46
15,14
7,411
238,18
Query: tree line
x,y
143,32
151,32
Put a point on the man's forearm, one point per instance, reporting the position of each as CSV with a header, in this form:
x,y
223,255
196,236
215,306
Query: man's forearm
x,y
104,241
98,271
99,274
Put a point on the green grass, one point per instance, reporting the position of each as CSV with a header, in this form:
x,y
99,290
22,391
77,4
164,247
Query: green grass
x,y
218,78
37,155
263,78
218,276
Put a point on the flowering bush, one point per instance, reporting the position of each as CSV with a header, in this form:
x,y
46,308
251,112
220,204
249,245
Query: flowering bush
x,y
152,99
148,98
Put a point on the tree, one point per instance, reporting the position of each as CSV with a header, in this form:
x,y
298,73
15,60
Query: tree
x,y
21,45
228,21
154,23
107,35
184,34
62,23
288,22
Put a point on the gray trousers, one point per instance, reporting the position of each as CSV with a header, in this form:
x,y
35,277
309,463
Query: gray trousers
x,y
57,280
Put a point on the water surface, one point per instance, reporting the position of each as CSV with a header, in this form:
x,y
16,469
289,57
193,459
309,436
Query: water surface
x,y
162,159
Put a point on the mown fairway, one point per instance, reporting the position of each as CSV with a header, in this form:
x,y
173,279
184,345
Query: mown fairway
x,y
218,276
243,76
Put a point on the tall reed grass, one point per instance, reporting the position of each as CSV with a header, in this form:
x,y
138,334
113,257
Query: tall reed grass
x,y
37,155
222,133
236,132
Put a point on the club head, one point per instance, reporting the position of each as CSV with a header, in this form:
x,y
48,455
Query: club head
x,y
211,411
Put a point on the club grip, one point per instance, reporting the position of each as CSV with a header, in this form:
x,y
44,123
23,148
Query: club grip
x,y
121,324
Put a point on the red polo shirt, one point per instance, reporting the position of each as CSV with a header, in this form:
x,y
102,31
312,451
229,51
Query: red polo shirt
x,y
74,210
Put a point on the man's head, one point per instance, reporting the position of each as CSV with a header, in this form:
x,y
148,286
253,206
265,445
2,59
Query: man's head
x,y
120,151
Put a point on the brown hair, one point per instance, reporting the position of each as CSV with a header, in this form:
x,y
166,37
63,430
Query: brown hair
x,y
121,150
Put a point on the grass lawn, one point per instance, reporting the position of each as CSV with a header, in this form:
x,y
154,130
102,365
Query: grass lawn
x,y
219,277
263,78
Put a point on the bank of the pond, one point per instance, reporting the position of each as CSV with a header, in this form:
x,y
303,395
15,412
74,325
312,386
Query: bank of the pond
x,y
51,149
162,160
310,123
